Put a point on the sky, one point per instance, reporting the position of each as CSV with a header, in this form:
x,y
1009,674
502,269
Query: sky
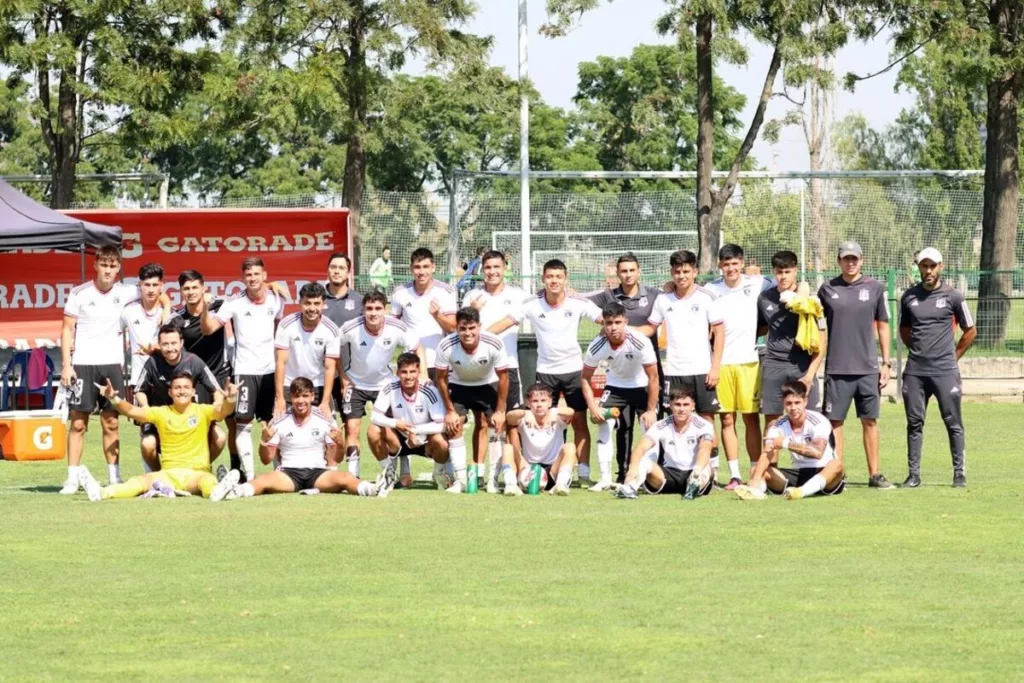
x,y
616,28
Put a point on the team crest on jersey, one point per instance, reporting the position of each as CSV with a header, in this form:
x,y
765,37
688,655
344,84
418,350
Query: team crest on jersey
x,y
747,290
385,343
691,441
508,302
643,301
316,433
193,421
350,305
482,361
568,314
629,356
319,342
695,308
940,302
419,409
116,301
808,438
864,295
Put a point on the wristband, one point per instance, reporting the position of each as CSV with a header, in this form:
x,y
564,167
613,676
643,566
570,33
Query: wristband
x,y
785,443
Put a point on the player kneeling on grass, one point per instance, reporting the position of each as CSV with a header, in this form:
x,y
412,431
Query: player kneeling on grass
x,y
183,428
542,437
807,436
687,441
305,440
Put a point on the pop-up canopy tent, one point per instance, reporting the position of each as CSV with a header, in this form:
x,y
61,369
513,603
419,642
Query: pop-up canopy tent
x,y
26,224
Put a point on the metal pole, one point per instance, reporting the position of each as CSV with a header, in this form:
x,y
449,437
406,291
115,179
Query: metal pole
x,y
524,153
453,227
803,232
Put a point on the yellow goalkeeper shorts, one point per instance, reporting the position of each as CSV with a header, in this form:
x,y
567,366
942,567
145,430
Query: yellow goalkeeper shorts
x,y
184,479
739,388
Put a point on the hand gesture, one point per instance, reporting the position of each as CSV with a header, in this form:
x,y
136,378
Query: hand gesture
x,y
498,421
231,391
277,288
478,303
452,422
108,391
68,375
267,433
337,436
435,307
648,418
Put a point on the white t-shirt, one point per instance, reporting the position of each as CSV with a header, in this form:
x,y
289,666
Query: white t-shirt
x,y
681,448
307,350
423,408
737,308
97,315
471,369
627,363
496,308
142,327
542,444
414,310
557,328
302,445
687,324
253,325
369,354
816,427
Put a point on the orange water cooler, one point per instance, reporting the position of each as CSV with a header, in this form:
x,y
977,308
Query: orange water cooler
x,y
32,435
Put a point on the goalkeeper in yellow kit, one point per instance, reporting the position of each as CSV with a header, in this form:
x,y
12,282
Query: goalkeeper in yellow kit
x,y
183,427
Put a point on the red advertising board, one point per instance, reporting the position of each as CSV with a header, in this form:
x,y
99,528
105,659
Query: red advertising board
x,y
294,244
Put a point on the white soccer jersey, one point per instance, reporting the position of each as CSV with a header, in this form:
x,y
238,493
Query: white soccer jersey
x,y
369,354
688,326
302,445
142,327
496,308
253,324
626,363
471,369
414,310
557,328
307,349
681,447
737,308
421,409
97,315
541,444
816,427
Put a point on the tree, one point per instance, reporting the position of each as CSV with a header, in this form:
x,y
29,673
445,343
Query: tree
x,y
708,29
103,65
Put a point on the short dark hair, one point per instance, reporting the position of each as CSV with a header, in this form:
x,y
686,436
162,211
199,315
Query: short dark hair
x,y
406,359
182,373
784,259
613,309
341,255
252,262
555,264
301,385
729,252
312,290
492,254
680,392
627,258
480,250
109,251
794,388
190,276
421,254
385,248
169,328
376,296
539,388
683,257
150,271
467,314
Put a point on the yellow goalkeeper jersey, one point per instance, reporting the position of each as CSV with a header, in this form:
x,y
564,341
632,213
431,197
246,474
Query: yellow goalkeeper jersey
x,y
183,436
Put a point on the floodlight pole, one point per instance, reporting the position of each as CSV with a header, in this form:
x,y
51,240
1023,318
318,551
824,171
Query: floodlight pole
x,y
526,257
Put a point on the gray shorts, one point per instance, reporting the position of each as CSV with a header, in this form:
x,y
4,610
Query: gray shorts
x,y
861,390
772,379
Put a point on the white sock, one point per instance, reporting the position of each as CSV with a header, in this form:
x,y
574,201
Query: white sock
x,y
352,459
564,477
605,449
146,469
643,468
365,488
457,459
73,471
243,442
449,469
387,462
114,473
734,469
584,470
494,449
816,484
508,474
403,466
761,486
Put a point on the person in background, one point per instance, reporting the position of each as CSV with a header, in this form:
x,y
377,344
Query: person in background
x,y
380,271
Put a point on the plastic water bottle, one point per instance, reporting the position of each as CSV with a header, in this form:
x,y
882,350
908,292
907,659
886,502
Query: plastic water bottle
x,y
611,413
471,480
535,474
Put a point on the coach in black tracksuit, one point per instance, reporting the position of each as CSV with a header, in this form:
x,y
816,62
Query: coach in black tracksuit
x,y
927,315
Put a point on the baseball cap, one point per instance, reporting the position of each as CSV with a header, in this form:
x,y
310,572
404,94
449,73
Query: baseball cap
x,y
929,254
850,249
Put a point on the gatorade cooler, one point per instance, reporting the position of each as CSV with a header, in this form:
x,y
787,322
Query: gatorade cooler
x,y
32,435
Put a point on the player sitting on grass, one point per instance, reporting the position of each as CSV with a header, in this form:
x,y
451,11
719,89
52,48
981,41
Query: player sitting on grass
x,y
183,428
409,416
542,438
687,441
807,436
306,442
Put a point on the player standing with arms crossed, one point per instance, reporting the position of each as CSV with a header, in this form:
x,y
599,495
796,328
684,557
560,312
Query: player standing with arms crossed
x,y
253,315
856,312
928,312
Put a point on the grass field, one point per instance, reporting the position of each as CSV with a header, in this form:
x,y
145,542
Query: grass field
x,y
920,585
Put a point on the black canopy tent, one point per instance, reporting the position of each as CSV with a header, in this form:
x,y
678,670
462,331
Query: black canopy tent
x,y
27,224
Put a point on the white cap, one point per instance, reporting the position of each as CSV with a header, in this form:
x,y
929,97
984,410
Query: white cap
x,y
929,254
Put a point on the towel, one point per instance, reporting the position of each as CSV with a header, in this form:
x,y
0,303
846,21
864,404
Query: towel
x,y
38,373
809,308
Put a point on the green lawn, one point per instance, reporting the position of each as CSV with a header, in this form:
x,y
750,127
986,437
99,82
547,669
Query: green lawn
x,y
918,585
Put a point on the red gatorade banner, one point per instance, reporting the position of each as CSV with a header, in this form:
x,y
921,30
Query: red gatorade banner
x,y
293,243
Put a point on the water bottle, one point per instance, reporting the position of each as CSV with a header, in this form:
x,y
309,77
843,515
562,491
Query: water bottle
x,y
536,471
612,413
472,485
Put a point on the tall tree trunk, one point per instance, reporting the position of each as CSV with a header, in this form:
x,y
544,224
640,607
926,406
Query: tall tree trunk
x,y
355,155
707,226
64,152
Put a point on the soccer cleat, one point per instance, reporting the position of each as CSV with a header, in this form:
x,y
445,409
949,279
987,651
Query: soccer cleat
x,y
440,479
602,485
559,491
386,482
70,486
744,492
793,493
959,480
625,492
513,490
492,487
457,487
221,472
911,482
225,486
692,489
878,481
91,486
733,484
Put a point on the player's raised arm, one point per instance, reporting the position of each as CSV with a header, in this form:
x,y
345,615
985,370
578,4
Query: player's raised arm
x,y
210,322
228,407
122,406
